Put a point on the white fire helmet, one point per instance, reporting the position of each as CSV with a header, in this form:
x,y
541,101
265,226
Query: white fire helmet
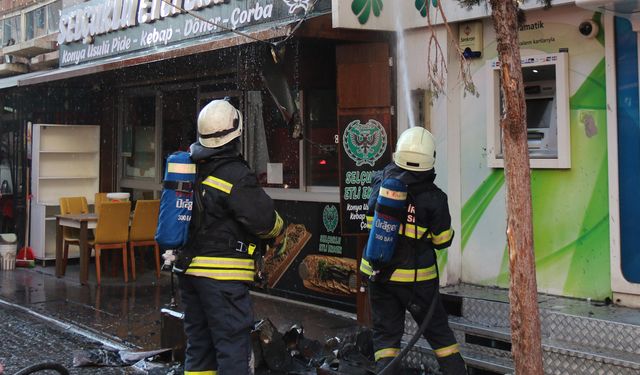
x,y
219,122
415,150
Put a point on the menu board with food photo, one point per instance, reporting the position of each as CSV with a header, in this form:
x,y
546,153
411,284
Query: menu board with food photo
x,y
329,274
284,251
311,261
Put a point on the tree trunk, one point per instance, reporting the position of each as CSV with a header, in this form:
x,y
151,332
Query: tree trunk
x,y
523,296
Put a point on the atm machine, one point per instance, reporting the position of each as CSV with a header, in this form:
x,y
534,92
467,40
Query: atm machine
x,y
546,87
540,97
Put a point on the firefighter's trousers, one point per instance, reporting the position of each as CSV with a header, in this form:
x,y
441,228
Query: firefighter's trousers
x,y
390,301
217,322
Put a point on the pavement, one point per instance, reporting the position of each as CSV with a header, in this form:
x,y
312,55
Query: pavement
x,y
45,318
26,339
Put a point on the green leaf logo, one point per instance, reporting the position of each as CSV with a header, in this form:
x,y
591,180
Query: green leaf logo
x,y
362,9
421,6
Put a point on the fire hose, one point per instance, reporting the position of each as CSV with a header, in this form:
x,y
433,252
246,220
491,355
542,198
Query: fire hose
x,y
43,366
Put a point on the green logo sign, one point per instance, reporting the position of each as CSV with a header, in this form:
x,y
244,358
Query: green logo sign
x,y
330,218
364,143
362,9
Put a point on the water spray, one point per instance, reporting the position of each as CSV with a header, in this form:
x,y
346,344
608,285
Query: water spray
x,y
402,62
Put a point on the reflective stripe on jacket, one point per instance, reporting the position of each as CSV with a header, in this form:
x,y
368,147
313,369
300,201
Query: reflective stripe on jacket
x,y
403,275
222,268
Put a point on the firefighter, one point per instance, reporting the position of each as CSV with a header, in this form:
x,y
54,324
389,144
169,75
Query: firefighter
x,y
409,281
231,214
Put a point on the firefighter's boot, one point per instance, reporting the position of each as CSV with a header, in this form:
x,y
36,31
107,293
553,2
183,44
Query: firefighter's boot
x,y
452,365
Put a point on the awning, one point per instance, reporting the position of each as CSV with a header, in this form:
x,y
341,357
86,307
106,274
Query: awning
x,y
261,32
13,80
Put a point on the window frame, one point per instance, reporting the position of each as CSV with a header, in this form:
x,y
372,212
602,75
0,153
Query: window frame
x,y
22,21
305,192
20,17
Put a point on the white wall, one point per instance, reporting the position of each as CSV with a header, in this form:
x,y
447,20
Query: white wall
x,y
445,125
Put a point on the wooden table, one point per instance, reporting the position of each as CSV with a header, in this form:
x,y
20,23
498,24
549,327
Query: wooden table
x,y
84,222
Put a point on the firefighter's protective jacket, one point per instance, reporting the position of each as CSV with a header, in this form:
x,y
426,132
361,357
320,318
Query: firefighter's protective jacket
x,y
230,214
427,227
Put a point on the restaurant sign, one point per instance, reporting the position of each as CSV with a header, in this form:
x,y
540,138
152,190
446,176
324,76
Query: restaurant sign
x,y
365,150
102,28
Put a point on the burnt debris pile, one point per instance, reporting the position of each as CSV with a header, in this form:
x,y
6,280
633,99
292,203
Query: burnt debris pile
x,y
292,353
275,353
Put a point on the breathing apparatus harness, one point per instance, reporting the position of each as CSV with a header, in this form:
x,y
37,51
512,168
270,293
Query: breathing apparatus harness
x,y
178,260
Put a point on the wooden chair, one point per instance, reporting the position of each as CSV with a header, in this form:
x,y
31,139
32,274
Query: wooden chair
x,y
143,231
112,232
99,199
71,236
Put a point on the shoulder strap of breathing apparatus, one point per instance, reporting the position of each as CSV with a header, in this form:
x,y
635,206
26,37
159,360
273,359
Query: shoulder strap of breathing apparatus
x,y
204,171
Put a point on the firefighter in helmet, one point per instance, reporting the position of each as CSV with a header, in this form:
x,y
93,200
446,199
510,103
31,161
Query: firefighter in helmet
x,y
409,281
231,214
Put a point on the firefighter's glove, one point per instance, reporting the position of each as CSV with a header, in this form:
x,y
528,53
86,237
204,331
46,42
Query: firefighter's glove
x,y
276,241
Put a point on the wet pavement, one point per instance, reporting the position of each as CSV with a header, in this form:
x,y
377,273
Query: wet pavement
x,y
128,314
26,340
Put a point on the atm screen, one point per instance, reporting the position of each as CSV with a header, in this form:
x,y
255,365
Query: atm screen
x,y
539,113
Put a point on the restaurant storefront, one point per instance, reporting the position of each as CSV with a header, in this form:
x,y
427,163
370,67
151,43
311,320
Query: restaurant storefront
x,y
580,73
144,72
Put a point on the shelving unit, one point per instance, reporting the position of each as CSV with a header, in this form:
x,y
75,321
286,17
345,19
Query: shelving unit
x,y
65,163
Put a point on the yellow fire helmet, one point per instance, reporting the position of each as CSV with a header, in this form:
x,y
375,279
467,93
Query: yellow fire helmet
x,y
415,150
